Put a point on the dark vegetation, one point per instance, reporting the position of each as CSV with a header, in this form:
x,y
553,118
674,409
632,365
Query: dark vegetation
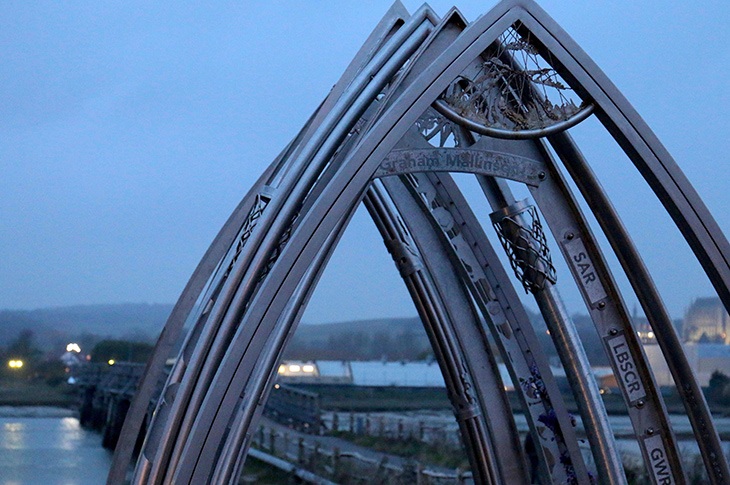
x,y
390,339
261,473
121,351
373,399
39,382
412,448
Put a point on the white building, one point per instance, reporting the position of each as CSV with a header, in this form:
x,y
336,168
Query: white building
x,y
703,358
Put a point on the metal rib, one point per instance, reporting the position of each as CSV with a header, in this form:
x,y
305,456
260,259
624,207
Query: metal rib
x,y
577,368
228,466
514,334
259,259
171,332
654,309
607,310
507,321
289,246
437,315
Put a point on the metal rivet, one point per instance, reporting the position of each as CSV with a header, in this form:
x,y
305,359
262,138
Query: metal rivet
x,y
650,431
640,403
613,331
602,305
570,236
541,175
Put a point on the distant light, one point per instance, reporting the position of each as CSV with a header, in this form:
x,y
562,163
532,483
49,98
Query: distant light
x,y
276,386
282,369
73,348
111,361
547,332
16,364
602,391
650,334
294,368
308,368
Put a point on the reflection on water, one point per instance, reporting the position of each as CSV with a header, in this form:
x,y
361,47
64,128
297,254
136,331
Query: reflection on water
x,y
12,436
50,451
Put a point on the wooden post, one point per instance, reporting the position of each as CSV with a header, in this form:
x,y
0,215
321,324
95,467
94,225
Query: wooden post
x,y
352,422
272,441
335,422
300,451
335,462
400,428
421,430
314,459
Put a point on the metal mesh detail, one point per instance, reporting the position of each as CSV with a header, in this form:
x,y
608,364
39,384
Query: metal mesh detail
x,y
514,88
431,124
249,224
522,236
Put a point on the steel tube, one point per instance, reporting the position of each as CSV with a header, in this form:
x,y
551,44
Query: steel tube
x,y
654,309
274,229
228,466
434,311
504,448
492,291
577,368
259,259
171,332
293,270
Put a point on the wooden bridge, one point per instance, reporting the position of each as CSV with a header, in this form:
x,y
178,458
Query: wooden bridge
x,y
106,391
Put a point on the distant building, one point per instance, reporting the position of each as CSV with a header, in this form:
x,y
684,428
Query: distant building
x,y
399,374
643,329
707,321
703,358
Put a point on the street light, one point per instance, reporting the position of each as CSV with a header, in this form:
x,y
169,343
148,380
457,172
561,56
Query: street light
x,y
73,348
15,364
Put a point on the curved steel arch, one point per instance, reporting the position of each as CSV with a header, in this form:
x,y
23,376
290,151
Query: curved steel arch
x,y
256,278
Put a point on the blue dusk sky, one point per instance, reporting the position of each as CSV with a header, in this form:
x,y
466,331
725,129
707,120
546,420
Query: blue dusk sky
x,y
129,131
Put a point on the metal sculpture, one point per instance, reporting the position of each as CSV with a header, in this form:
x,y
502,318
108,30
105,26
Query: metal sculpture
x,y
423,97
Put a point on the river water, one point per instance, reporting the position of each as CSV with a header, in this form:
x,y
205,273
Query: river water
x,y
49,447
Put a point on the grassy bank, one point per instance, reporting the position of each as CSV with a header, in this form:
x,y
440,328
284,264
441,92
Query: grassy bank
x,y
33,393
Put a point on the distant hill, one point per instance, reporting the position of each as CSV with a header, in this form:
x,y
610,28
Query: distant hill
x,y
386,338
136,321
375,339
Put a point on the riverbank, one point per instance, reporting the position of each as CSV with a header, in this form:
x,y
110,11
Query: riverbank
x,y
35,393
36,412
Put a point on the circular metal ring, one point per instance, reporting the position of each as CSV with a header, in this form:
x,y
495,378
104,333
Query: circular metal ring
x,y
447,111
